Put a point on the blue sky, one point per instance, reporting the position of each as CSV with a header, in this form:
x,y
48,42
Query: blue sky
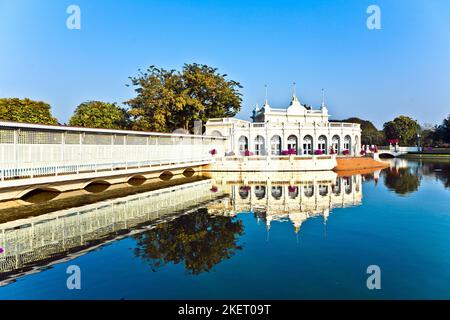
x,y
404,68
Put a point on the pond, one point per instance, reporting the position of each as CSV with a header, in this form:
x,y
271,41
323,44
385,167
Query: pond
x,y
291,235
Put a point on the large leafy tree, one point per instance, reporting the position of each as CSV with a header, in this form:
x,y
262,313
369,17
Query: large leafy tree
x,y
168,99
97,114
197,240
403,128
26,110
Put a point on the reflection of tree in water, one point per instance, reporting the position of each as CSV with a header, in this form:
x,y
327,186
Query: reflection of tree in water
x,y
198,239
441,170
402,180
444,176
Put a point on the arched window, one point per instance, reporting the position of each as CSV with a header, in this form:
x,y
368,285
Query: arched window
x,y
259,146
336,144
347,143
275,145
322,144
308,190
277,192
292,142
307,145
243,144
260,192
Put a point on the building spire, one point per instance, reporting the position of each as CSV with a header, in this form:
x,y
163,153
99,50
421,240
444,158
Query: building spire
x,y
294,92
266,101
323,97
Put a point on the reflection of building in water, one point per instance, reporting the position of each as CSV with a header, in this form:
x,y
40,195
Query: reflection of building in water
x,y
297,196
66,234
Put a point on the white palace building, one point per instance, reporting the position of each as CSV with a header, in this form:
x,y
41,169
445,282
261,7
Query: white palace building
x,y
298,130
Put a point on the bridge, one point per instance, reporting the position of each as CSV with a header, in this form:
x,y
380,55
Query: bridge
x,y
61,158
396,151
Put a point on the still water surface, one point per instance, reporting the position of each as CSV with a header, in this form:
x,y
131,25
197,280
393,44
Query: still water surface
x,y
241,236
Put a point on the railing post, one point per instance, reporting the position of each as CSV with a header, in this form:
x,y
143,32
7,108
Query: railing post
x,y
16,147
126,151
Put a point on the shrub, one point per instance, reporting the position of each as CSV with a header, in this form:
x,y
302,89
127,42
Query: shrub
x,y
345,152
318,152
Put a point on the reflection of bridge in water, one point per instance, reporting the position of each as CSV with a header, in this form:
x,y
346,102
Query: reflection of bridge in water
x,y
67,234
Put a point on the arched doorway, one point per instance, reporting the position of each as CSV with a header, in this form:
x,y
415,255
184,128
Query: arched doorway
x,y
275,145
244,192
347,184
292,192
277,192
307,145
322,144
347,143
243,145
308,190
336,144
259,146
292,142
260,192
323,190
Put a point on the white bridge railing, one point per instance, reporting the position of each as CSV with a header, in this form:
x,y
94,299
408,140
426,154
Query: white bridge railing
x,y
28,151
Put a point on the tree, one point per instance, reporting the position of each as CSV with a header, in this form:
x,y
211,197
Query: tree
x,y
26,110
369,133
169,100
443,131
97,114
403,128
402,181
198,240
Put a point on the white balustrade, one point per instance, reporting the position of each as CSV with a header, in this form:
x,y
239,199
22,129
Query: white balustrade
x,y
28,151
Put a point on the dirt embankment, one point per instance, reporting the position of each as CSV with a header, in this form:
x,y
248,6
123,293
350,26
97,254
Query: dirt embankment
x,y
358,163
